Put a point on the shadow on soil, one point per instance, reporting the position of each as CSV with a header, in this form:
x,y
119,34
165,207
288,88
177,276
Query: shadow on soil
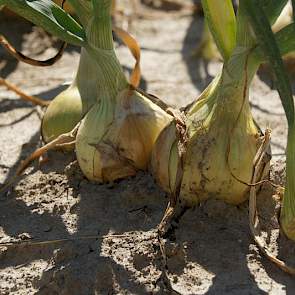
x,y
7,105
207,236
80,267
211,234
217,237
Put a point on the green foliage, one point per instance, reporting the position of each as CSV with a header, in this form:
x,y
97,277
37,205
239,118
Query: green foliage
x,y
272,8
49,16
221,20
270,48
285,41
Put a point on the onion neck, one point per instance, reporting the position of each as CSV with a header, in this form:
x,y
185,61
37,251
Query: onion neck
x,y
99,30
238,71
110,76
86,80
227,97
232,93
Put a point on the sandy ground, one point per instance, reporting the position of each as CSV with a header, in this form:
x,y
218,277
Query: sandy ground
x,y
210,250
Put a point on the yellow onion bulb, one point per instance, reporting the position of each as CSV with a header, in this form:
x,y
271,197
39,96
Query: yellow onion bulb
x,y
220,152
62,115
116,139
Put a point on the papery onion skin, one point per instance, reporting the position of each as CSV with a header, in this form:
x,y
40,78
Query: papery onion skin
x,y
164,158
115,140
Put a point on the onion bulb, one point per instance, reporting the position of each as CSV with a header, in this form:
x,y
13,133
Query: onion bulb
x,y
115,139
62,114
116,136
222,141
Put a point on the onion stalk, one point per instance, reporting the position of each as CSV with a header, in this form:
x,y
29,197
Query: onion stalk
x,y
222,139
116,136
222,136
223,154
68,108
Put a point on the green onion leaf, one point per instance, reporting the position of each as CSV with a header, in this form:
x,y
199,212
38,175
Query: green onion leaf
x,y
221,20
49,16
268,44
272,8
285,40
